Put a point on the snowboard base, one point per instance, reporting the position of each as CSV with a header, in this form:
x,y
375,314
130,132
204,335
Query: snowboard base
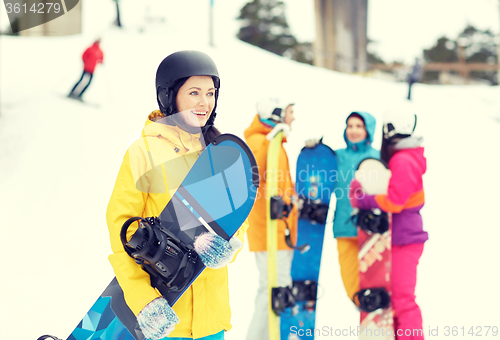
x,y
375,255
377,325
102,321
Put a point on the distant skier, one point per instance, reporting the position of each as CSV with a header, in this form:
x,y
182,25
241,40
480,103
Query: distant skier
x,y
415,75
358,135
187,86
91,57
404,199
272,117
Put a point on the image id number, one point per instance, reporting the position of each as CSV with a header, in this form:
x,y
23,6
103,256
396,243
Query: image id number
x,y
472,331
38,8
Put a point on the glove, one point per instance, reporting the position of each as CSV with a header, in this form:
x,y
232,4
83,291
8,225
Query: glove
x,y
157,320
311,143
279,127
355,192
214,251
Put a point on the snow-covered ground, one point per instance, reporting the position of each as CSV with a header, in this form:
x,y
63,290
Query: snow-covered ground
x,y
59,159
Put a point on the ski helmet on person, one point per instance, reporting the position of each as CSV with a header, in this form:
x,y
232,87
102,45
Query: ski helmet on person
x,y
399,122
179,65
271,109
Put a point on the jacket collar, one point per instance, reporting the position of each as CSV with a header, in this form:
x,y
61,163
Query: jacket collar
x,y
359,146
156,127
409,143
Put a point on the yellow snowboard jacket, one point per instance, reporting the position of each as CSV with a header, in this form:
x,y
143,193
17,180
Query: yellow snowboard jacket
x,y
152,170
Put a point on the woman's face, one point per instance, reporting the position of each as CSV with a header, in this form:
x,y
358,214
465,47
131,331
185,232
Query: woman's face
x,y
356,131
196,100
289,118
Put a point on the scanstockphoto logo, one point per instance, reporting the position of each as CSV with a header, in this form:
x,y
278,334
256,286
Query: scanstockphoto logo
x,y
34,13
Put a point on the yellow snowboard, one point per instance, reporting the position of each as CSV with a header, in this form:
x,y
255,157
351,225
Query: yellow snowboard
x,y
272,177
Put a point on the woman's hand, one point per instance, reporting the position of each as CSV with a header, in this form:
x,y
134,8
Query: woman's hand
x,y
355,192
157,320
214,251
311,143
285,128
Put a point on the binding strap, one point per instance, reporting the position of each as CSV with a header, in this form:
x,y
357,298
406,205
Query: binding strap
x,y
280,211
314,210
373,221
281,299
160,252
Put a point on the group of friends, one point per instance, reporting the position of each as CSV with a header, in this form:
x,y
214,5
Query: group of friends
x,y
187,89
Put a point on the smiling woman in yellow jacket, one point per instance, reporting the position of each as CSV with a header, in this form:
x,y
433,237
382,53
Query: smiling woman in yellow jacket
x,y
152,170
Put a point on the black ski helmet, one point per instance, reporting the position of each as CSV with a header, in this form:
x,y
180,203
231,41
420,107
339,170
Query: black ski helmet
x,y
183,64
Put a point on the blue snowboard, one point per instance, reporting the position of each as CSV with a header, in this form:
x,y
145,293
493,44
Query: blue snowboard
x,y
219,189
315,175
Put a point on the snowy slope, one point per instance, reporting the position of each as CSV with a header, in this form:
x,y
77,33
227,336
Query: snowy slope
x,y
59,159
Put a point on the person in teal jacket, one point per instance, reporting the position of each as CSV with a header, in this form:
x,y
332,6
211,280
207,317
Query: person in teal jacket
x,y
358,135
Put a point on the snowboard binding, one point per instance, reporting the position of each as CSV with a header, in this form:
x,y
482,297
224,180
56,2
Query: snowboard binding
x,y
313,210
282,298
373,221
305,290
369,300
280,211
162,255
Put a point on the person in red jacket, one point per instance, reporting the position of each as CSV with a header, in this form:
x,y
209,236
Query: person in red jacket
x,y
91,57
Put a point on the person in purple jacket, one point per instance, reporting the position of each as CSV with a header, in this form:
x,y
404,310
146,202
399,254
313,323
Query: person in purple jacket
x,y
404,199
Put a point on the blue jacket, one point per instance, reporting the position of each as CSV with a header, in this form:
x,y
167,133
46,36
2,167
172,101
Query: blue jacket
x,y
348,160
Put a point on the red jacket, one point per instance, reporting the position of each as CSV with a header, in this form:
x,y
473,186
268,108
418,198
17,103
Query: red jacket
x,y
91,57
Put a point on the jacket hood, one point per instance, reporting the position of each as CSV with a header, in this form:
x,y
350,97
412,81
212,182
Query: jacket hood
x,y
370,124
370,130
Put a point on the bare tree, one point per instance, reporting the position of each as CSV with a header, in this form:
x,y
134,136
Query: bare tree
x,y
117,21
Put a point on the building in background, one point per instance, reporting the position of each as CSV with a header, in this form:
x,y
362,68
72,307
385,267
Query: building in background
x,y
67,22
341,35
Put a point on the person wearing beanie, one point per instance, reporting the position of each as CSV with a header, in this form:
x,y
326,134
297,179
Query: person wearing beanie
x,y
272,117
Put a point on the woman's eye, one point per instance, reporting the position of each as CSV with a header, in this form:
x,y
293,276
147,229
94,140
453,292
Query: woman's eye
x,y
194,93
210,94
